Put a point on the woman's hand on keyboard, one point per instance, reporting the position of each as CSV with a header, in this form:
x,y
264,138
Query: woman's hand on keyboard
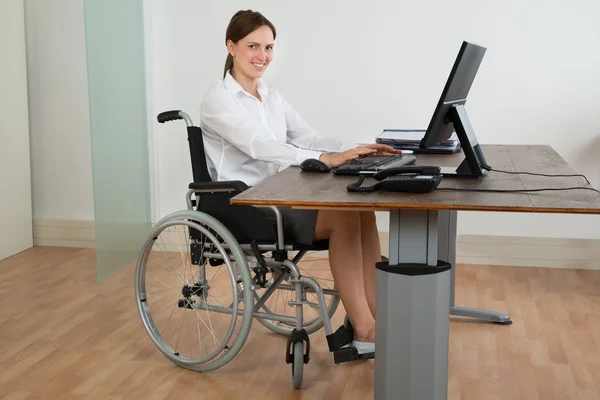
x,y
383,149
335,160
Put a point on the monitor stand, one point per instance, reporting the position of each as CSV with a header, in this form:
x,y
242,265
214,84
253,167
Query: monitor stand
x,y
472,165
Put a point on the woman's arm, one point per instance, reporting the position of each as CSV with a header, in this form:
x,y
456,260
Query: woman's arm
x,y
222,115
301,135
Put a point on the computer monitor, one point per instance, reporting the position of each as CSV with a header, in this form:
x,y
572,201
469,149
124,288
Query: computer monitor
x,y
450,114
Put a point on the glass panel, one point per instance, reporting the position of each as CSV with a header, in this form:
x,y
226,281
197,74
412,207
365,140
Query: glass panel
x,y
117,95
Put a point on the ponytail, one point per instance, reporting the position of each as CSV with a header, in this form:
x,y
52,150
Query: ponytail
x,y
228,65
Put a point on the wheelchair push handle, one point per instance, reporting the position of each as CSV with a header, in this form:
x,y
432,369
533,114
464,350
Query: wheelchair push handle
x,y
174,115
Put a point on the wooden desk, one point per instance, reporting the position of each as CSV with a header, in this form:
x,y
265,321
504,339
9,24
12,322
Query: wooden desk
x,y
293,188
413,310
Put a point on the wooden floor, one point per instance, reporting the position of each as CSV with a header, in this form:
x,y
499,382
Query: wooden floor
x,y
62,336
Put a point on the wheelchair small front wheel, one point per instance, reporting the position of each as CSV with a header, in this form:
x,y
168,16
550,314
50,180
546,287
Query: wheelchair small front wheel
x,y
194,312
298,365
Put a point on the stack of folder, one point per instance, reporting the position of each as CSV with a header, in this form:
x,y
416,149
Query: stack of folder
x,y
409,139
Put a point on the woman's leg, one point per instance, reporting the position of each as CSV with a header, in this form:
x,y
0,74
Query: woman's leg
x,y
371,254
343,229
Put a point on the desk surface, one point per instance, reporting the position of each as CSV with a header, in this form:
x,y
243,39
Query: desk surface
x,y
295,188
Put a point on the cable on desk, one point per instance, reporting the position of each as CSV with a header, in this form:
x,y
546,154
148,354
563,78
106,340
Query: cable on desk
x,y
487,167
518,190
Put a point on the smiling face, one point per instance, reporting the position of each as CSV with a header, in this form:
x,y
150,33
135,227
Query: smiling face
x,y
252,54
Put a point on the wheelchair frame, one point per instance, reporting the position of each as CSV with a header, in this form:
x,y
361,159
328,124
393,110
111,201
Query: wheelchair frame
x,y
207,207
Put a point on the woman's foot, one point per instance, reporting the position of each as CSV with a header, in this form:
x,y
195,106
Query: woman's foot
x,y
365,344
362,336
363,347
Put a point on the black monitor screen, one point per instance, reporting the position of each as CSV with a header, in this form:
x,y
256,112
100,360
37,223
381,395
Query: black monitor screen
x,y
450,114
455,92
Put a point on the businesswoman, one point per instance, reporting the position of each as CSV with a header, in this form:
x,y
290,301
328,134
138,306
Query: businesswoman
x,y
251,131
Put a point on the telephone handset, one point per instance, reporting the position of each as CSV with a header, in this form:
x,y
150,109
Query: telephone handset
x,y
413,179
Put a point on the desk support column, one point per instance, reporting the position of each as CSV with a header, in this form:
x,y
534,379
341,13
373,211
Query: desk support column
x,y
447,252
413,294
447,244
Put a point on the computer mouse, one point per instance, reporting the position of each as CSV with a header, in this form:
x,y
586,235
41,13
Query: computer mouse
x,y
314,165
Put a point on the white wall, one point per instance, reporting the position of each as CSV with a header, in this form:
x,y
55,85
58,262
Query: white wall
x,y
379,65
59,114
15,178
352,68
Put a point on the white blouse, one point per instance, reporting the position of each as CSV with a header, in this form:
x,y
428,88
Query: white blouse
x,y
249,140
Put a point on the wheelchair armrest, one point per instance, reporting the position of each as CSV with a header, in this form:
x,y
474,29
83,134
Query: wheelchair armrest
x,y
234,187
279,220
224,186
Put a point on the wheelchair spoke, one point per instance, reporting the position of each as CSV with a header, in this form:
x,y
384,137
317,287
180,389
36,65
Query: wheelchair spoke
x,y
189,335
183,280
310,308
288,293
215,275
281,298
277,298
175,308
199,340
189,339
317,269
164,284
180,278
211,328
183,322
318,279
179,335
202,265
215,297
163,290
183,258
188,255
219,297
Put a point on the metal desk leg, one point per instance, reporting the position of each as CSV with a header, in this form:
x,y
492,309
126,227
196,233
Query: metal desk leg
x,y
413,294
447,252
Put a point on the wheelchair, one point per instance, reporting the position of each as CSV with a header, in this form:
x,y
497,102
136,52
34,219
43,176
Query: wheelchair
x,y
205,273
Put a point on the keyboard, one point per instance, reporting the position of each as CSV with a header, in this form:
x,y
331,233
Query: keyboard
x,y
373,164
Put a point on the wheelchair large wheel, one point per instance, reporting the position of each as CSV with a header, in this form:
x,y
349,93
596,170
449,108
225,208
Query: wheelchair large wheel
x,y
189,286
277,303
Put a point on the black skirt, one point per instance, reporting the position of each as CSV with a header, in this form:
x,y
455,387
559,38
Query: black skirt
x,y
298,225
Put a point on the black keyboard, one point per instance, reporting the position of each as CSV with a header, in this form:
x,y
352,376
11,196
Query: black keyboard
x,y
372,164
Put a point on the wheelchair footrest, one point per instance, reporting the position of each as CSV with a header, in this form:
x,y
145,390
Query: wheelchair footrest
x,y
340,345
347,354
340,338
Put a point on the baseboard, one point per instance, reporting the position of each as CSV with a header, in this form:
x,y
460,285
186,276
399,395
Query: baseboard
x,y
470,249
63,233
76,233
519,251
528,251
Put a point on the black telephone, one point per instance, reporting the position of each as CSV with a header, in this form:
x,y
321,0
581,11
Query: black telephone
x,y
413,179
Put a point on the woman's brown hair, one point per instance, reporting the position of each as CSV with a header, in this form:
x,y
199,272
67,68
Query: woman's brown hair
x,y
243,23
